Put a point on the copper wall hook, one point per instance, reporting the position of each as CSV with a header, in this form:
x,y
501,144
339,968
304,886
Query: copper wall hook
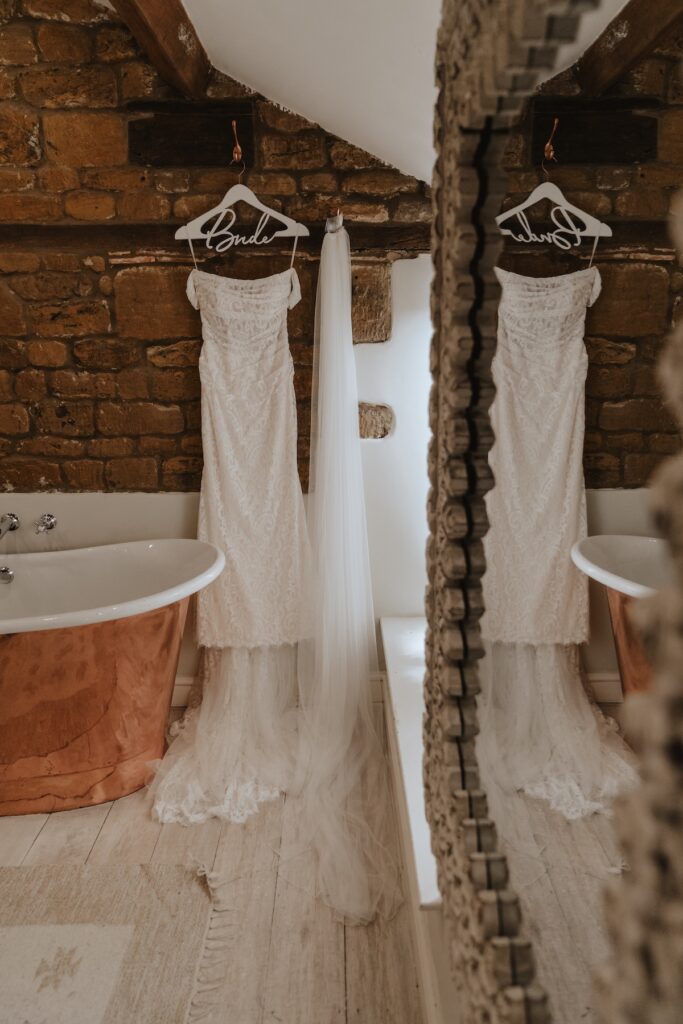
x,y
549,149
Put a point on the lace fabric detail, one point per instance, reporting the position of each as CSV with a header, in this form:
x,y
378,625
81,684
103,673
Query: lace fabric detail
x,y
251,503
532,591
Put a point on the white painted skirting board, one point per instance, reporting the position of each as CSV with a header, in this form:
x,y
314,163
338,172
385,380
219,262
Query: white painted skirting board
x,y
606,687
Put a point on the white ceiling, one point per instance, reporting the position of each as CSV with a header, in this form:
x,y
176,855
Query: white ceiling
x,y
363,69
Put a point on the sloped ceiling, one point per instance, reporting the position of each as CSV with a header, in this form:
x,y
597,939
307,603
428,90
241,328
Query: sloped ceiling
x,y
362,69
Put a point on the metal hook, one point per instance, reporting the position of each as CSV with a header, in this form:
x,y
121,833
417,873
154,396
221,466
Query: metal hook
x,y
237,151
548,149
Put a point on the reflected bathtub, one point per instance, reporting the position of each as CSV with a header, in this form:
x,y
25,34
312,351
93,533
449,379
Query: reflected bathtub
x,y
89,647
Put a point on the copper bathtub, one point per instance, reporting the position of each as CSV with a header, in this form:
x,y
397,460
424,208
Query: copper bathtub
x,y
84,700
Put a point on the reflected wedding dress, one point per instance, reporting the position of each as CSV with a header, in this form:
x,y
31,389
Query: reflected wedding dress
x,y
540,734
237,748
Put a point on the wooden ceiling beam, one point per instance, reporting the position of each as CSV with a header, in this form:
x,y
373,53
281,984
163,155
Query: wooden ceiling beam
x,y
627,38
166,34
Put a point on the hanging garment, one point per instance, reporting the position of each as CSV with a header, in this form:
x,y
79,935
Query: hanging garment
x,y
540,734
238,748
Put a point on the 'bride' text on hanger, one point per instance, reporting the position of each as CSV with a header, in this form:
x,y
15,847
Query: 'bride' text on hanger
x,y
566,235
571,225
221,229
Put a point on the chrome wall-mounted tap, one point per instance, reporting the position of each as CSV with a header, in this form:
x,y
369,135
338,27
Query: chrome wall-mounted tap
x,y
46,522
6,574
8,523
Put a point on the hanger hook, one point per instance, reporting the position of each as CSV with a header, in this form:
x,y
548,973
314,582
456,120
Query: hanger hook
x,y
237,151
548,149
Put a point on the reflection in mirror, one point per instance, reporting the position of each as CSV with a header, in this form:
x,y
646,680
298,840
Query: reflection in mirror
x,y
579,427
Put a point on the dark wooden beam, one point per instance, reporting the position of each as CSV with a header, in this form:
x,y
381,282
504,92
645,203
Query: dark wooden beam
x,y
627,38
142,239
166,34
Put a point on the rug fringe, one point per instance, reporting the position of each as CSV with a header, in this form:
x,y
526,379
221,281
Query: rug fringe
x,y
213,961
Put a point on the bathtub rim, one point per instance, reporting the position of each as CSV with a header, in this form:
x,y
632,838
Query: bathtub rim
x,y
608,578
123,610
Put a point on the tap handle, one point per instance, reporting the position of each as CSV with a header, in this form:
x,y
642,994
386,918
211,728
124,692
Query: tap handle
x,y
11,519
46,522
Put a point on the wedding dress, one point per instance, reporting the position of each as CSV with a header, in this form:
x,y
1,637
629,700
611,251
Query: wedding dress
x,y
238,748
540,733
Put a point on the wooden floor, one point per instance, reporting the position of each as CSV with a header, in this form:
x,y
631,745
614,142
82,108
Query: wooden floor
x,y
292,962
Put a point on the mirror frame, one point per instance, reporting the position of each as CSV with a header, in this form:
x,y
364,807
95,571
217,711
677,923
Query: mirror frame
x,y
489,56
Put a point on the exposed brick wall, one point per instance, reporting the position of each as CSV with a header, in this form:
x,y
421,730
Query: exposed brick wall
x,y
628,430
99,388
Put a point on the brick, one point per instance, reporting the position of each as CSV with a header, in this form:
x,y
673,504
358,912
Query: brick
x,y
596,203
639,468
60,261
143,206
64,44
188,207
12,262
19,135
81,384
45,285
365,212
90,206
114,44
133,418
85,139
303,382
613,178
123,179
12,316
636,414
275,184
6,388
670,148
133,383
222,87
175,385
59,447
47,353
298,152
634,301
106,285
177,353
602,470
84,474
371,295
71,319
320,181
151,303
657,176
55,416
645,381
12,353
132,474
17,45
30,385
214,179
56,88
666,444
139,81
608,382
13,418
157,445
30,207
603,352
191,444
380,182
82,12
109,447
26,474
107,353
57,179
8,85
283,120
642,204
417,210
350,158
375,420
172,181
182,473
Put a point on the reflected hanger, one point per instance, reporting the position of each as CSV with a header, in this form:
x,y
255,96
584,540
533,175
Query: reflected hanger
x,y
217,226
570,224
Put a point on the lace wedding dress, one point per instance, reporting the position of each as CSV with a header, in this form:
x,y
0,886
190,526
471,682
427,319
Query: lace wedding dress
x,y
238,748
540,734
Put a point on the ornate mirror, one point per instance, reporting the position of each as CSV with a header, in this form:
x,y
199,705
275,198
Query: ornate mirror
x,y
522,871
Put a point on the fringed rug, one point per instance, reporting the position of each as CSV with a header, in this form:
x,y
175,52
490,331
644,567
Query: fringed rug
x,y
100,945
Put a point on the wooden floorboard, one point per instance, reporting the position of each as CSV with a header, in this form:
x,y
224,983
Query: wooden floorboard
x,y
67,837
305,979
129,835
17,836
188,844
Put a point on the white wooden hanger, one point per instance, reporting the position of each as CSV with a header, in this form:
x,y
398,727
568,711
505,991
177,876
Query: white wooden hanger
x,y
217,226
